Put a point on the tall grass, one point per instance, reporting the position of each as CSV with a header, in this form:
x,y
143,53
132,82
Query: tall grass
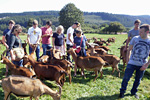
x,y
106,88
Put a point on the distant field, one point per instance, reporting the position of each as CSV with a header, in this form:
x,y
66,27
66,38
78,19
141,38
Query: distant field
x,y
106,88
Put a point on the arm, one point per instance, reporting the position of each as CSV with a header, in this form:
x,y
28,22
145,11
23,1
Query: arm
x,y
69,37
3,41
53,40
128,53
38,40
12,41
145,66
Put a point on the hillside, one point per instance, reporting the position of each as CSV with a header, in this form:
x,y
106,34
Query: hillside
x,y
91,18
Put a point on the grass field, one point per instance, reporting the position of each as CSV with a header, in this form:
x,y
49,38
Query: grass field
x,y
106,88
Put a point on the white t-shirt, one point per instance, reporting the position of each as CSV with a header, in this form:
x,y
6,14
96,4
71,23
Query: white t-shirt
x,y
70,30
34,34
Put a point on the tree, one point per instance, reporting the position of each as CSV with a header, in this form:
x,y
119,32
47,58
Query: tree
x,y
115,27
30,23
70,14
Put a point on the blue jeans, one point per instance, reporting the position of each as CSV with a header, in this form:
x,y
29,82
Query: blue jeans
x,y
45,47
18,63
37,51
128,73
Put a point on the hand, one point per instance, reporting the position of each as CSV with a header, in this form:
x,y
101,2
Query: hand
x,y
7,47
13,57
144,67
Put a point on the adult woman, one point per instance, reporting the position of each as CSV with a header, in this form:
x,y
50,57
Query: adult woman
x,y
59,40
15,42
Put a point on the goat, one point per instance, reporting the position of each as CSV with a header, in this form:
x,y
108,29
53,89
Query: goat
x,y
44,71
66,65
111,40
25,87
89,63
123,56
17,70
104,47
111,59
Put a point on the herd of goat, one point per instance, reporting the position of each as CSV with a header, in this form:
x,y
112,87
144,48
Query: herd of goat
x,y
25,81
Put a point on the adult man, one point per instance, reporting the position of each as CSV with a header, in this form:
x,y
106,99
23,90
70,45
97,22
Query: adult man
x,y
140,46
133,32
6,37
34,35
69,38
46,37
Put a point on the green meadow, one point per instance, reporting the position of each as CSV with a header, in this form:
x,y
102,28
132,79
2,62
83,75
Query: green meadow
x,y
106,88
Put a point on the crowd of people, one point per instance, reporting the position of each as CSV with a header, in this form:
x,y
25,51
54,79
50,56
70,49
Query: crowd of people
x,y
138,38
74,37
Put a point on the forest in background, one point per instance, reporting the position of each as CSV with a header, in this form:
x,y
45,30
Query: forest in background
x,y
93,21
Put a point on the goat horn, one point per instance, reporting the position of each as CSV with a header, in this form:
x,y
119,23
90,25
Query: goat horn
x,y
2,55
1,61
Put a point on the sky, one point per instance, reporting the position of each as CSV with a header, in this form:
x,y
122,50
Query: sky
x,y
128,7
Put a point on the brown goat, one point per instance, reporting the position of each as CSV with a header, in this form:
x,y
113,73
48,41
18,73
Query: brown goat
x,y
17,70
44,71
66,65
89,63
111,59
111,40
25,87
104,47
123,56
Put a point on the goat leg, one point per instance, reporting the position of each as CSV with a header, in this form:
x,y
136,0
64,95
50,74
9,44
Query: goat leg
x,y
7,95
118,71
82,73
70,78
96,75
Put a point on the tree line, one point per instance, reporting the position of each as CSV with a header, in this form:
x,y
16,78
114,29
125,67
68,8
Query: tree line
x,y
92,22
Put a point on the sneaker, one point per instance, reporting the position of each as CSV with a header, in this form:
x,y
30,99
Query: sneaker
x,y
135,95
121,95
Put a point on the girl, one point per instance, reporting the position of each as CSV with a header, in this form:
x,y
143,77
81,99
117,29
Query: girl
x,y
59,40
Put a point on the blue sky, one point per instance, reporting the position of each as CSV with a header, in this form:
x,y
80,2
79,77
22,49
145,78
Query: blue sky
x,y
130,7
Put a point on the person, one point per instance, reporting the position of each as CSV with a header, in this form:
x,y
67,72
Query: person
x,y
46,37
133,32
34,35
69,39
140,47
6,38
80,41
59,40
15,42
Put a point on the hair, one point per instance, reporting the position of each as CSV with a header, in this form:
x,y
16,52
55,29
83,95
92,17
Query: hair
x,y
60,27
78,31
16,27
146,27
35,22
137,21
12,22
49,23
77,23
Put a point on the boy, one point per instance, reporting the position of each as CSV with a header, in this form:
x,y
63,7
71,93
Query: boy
x,y
140,46
46,37
34,36
133,32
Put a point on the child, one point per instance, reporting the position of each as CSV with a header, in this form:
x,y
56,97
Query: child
x,y
77,42
140,46
59,40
